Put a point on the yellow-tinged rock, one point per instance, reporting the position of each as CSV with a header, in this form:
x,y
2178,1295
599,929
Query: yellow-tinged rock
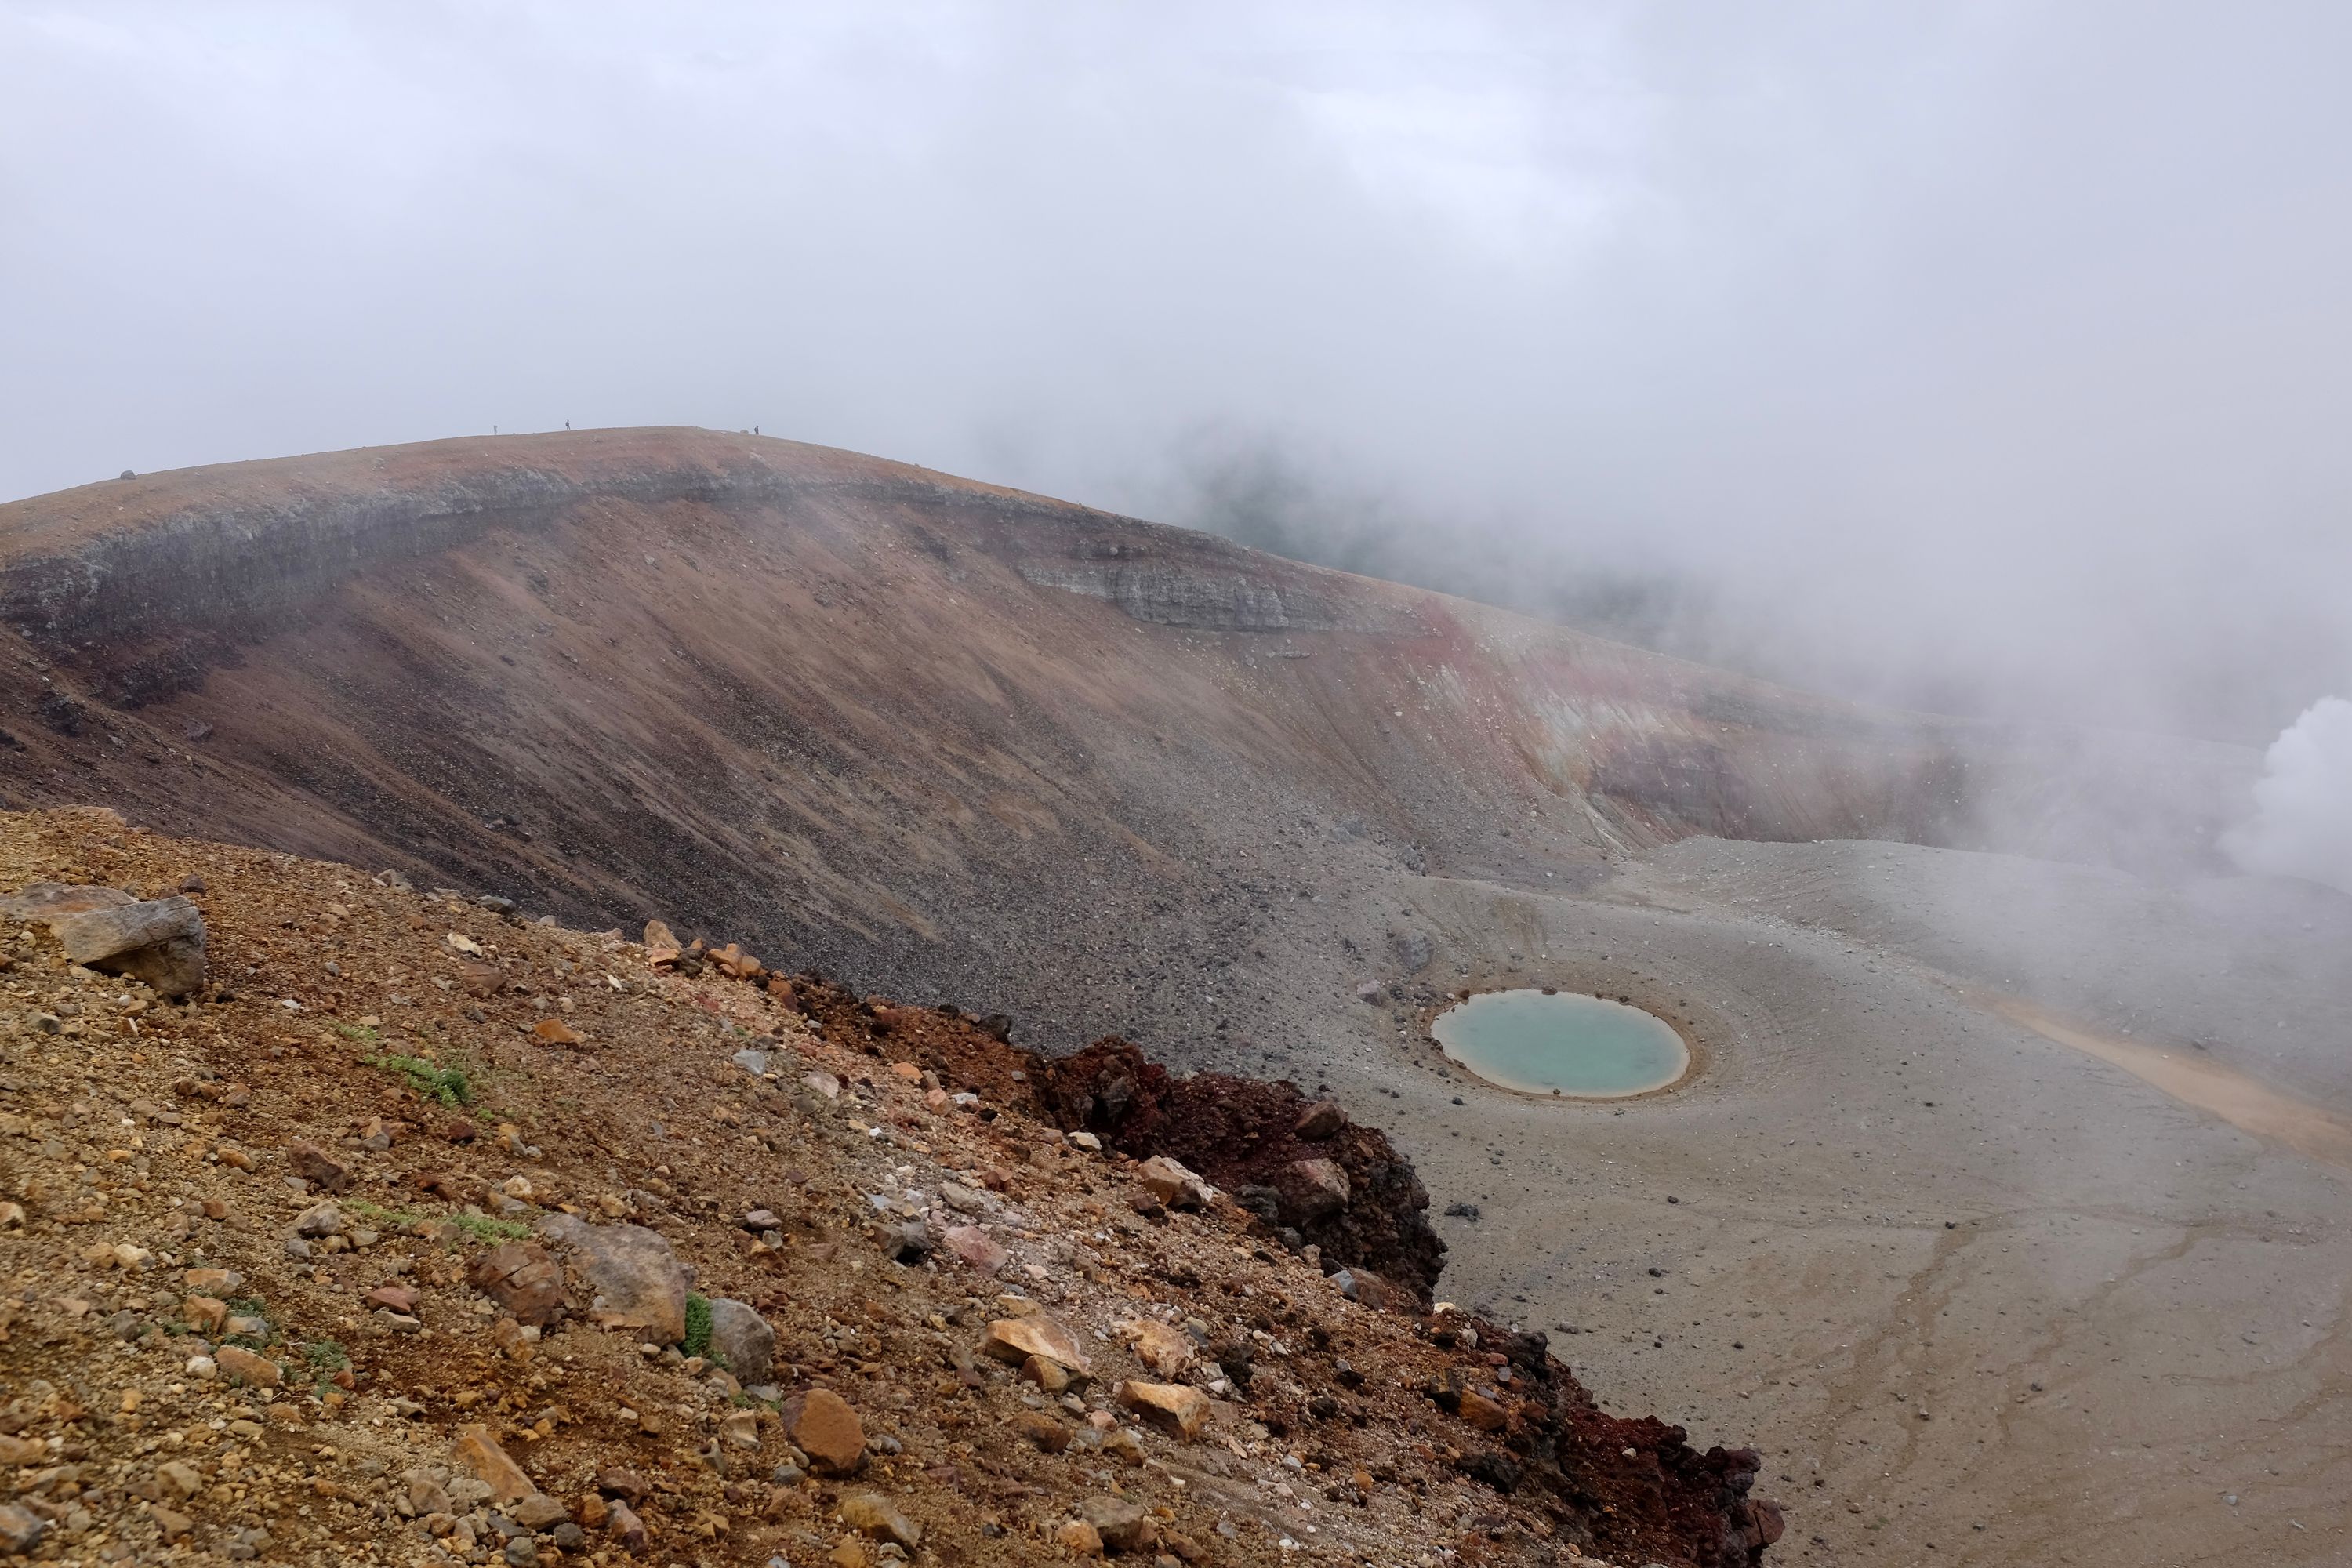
x,y
1050,1376
872,1514
1165,1349
1015,1340
1173,1406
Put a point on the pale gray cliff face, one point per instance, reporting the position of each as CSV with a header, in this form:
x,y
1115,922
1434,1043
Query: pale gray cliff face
x,y
1171,595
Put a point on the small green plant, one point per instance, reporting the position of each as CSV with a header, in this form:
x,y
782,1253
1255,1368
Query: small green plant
x,y
448,1085
698,1325
482,1227
379,1215
358,1032
327,1356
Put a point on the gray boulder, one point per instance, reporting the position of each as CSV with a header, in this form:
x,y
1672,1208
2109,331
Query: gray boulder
x,y
637,1279
159,941
741,1338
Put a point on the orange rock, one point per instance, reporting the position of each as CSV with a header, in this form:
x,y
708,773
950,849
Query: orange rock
x,y
821,1424
237,1362
734,961
1484,1413
1311,1189
1320,1120
1121,1522
478,1455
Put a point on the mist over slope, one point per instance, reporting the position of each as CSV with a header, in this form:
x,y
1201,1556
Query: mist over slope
x,y
910,727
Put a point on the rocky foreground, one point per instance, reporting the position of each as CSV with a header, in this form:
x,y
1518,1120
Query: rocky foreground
x,y
413,1231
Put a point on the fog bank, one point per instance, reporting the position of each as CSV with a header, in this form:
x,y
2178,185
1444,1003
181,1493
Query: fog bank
x,y
1982,357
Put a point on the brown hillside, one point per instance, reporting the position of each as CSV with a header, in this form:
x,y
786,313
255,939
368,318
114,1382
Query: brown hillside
x,y
423,1235
917,731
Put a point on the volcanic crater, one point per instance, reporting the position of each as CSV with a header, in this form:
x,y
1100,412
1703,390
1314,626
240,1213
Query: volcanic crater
x,y
1956,1270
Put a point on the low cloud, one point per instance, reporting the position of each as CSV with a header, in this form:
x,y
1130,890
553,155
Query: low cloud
x,y
1969,357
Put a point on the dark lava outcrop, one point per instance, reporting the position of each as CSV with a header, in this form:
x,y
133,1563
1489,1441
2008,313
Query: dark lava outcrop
x,y
1641,1471
1242,1134
1312,1177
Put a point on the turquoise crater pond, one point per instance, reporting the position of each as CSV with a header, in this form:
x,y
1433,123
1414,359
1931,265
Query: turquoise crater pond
x,y
1564,1043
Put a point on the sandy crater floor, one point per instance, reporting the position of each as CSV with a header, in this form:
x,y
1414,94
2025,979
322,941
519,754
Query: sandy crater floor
x,y
1985,1293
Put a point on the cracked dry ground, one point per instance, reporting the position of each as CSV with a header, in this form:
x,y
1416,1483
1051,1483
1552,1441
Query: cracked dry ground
x,y
256,1248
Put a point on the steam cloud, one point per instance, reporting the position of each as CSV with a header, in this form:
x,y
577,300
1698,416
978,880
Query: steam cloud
x,y
2302,825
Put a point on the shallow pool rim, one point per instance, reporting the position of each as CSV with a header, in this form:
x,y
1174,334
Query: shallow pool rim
x,y
1693,1054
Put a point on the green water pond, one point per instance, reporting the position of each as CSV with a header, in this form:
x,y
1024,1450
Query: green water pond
x,y
1566,1044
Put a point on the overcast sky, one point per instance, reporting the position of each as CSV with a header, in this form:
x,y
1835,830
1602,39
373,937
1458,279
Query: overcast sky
x,y
2000,345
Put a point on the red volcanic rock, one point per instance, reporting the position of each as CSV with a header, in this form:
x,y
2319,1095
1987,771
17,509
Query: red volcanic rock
x,y
1320,1120
317,1167
522,1278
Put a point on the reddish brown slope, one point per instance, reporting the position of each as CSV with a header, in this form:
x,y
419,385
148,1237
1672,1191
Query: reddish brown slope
x,y
294,1291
